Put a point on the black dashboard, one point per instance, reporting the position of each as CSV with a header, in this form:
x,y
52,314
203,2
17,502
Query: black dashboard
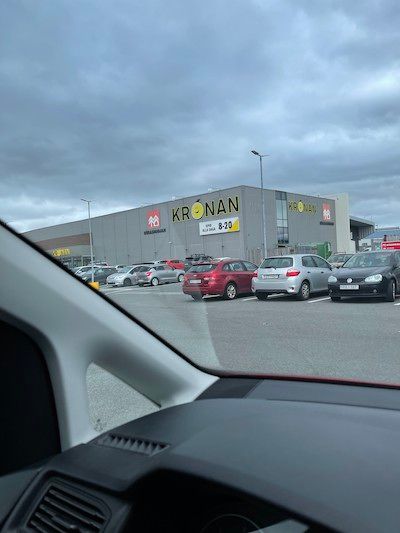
x,y
249,455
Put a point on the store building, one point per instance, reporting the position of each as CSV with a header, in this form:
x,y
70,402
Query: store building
x,y
224,223
374,240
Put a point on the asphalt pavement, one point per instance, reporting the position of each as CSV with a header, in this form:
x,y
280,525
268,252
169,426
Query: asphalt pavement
x,y
352,339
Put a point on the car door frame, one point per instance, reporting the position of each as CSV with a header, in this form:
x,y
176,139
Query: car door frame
x,y
239,275
311,273
323,272
396,270
170,273
249,274
159,271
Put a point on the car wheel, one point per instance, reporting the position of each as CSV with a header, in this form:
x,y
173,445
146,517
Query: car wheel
x,y
304,292
154,282
391,291
180,278
230,291
262,295
197,297
335,298
127,282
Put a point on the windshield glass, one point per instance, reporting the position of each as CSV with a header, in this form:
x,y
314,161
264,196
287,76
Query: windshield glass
x,y
124,270
365,260
246,143
202,268
277,262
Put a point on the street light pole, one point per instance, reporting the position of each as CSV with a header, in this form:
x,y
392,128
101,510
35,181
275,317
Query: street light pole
x,y
90,237
260,156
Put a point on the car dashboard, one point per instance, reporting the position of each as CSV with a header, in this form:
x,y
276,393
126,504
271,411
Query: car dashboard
x,y
257,456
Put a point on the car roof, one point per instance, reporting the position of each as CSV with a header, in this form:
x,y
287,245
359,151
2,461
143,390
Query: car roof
x,y
376,252
290,255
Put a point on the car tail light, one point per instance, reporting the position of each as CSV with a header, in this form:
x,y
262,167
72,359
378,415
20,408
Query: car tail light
x,y
148,273
255,273
211,277
292,273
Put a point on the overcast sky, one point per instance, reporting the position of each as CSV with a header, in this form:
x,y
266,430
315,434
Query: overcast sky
x,y
133,102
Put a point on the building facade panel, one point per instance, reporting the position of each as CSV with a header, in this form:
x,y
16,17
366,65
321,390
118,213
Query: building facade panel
x,y
219,223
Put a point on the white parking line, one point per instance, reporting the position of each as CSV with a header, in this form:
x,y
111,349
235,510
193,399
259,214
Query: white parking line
x,y
248,299
398,303
319,300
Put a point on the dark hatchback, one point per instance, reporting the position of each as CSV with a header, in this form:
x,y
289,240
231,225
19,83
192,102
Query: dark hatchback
x,y
367,274
99,274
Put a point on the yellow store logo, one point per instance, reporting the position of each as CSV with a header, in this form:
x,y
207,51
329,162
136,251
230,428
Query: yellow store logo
x,y
59,252
302,207
199,210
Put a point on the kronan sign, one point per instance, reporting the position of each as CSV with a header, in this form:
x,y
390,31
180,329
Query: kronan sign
x,y
207,209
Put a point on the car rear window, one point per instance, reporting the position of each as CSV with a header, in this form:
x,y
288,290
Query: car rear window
x,y
277,262
202,268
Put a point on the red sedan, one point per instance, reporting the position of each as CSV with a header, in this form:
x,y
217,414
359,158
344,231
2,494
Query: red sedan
x,y
226,278
173,263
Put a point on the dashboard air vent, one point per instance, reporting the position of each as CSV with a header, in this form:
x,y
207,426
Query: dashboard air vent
x,y
62,509
132,444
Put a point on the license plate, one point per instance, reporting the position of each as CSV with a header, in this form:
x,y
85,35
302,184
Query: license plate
x,y
349,287
270,276
195,281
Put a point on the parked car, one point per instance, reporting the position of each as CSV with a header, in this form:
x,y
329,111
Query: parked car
x,y
367,274
187,265
83,270
298,274
176,263
158,274
99,263
226,278
127,276
173,263
100,274
121,267
338,260
198,258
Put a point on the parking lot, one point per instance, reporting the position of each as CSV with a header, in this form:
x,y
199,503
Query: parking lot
x,y
278,336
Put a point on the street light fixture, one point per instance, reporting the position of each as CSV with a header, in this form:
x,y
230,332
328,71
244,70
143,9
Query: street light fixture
x,y
261,156
90,237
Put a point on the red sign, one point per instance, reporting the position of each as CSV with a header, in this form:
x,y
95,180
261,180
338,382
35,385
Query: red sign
x,y
153,218
390,245
326,212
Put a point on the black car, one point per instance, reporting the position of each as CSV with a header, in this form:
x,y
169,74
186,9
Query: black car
x,y
100,274
367,274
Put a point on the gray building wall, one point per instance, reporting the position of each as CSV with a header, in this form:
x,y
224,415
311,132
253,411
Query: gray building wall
x,y
121,237
252,226
308,227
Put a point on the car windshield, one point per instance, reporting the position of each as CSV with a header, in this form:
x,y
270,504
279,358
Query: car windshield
x,y
246,144
366,260
202,268
277,262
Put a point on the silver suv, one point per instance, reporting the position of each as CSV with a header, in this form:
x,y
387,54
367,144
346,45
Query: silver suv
x,y
157,274
298,274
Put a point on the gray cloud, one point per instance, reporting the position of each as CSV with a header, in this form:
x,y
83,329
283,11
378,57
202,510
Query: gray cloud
x,y
134,102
